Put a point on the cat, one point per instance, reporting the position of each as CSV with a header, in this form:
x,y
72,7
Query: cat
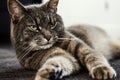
x,y
43,43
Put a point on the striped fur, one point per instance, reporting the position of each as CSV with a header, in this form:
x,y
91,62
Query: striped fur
x,y
42,43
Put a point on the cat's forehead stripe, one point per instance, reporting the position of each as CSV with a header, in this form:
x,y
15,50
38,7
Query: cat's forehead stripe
x,y
48,17
38,19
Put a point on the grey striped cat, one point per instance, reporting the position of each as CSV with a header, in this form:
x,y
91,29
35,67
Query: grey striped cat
x,y
43,43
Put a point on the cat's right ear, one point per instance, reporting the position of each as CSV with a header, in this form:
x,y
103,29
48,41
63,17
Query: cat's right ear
x,y
16,10
52,4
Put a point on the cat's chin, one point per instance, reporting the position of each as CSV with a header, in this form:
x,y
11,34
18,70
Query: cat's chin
x,y
43,47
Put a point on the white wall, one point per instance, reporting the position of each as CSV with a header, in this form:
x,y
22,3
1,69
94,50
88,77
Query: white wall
x,y
103,13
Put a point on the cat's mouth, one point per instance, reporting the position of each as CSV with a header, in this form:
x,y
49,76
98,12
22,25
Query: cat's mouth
x,y
41,47
46,46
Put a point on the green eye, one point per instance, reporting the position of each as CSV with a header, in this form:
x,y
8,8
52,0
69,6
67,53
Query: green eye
x,y
32,28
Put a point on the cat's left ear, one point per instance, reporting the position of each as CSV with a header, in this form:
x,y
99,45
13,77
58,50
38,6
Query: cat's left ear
x,y
16,9
52,4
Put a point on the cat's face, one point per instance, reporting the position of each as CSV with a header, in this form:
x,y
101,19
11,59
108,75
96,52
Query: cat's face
x,y
37,26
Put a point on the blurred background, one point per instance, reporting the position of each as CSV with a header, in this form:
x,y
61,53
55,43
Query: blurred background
x,y
101,13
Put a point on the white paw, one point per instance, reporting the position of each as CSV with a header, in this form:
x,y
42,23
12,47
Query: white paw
x,y
103,73
41,75
48,73
38,77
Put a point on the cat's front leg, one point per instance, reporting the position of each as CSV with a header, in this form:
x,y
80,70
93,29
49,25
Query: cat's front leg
x,y
49,70
96,63
57,67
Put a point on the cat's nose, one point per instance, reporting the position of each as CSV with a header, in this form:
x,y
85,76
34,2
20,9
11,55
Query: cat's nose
x,y
48,37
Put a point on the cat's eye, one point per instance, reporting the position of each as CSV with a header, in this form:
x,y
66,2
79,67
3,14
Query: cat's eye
x,y
52,27
32,28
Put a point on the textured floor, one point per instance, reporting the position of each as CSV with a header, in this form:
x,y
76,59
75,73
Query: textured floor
x,y
10,68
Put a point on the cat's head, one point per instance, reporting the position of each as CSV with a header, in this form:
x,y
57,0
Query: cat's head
x,y
39,26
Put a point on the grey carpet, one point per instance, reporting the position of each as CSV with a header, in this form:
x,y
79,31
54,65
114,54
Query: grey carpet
x,y
10,68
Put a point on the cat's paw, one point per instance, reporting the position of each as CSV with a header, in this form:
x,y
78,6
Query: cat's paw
x,y
42,75
103,73
49,73
38,77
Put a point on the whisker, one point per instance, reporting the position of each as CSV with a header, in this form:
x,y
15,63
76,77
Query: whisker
x,y
26,53
65,39
22,51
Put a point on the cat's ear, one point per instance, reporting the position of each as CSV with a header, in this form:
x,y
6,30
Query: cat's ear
x,y
16,9
52,4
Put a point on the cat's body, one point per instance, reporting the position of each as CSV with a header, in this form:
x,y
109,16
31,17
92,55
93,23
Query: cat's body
x,y
96,38
42,43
